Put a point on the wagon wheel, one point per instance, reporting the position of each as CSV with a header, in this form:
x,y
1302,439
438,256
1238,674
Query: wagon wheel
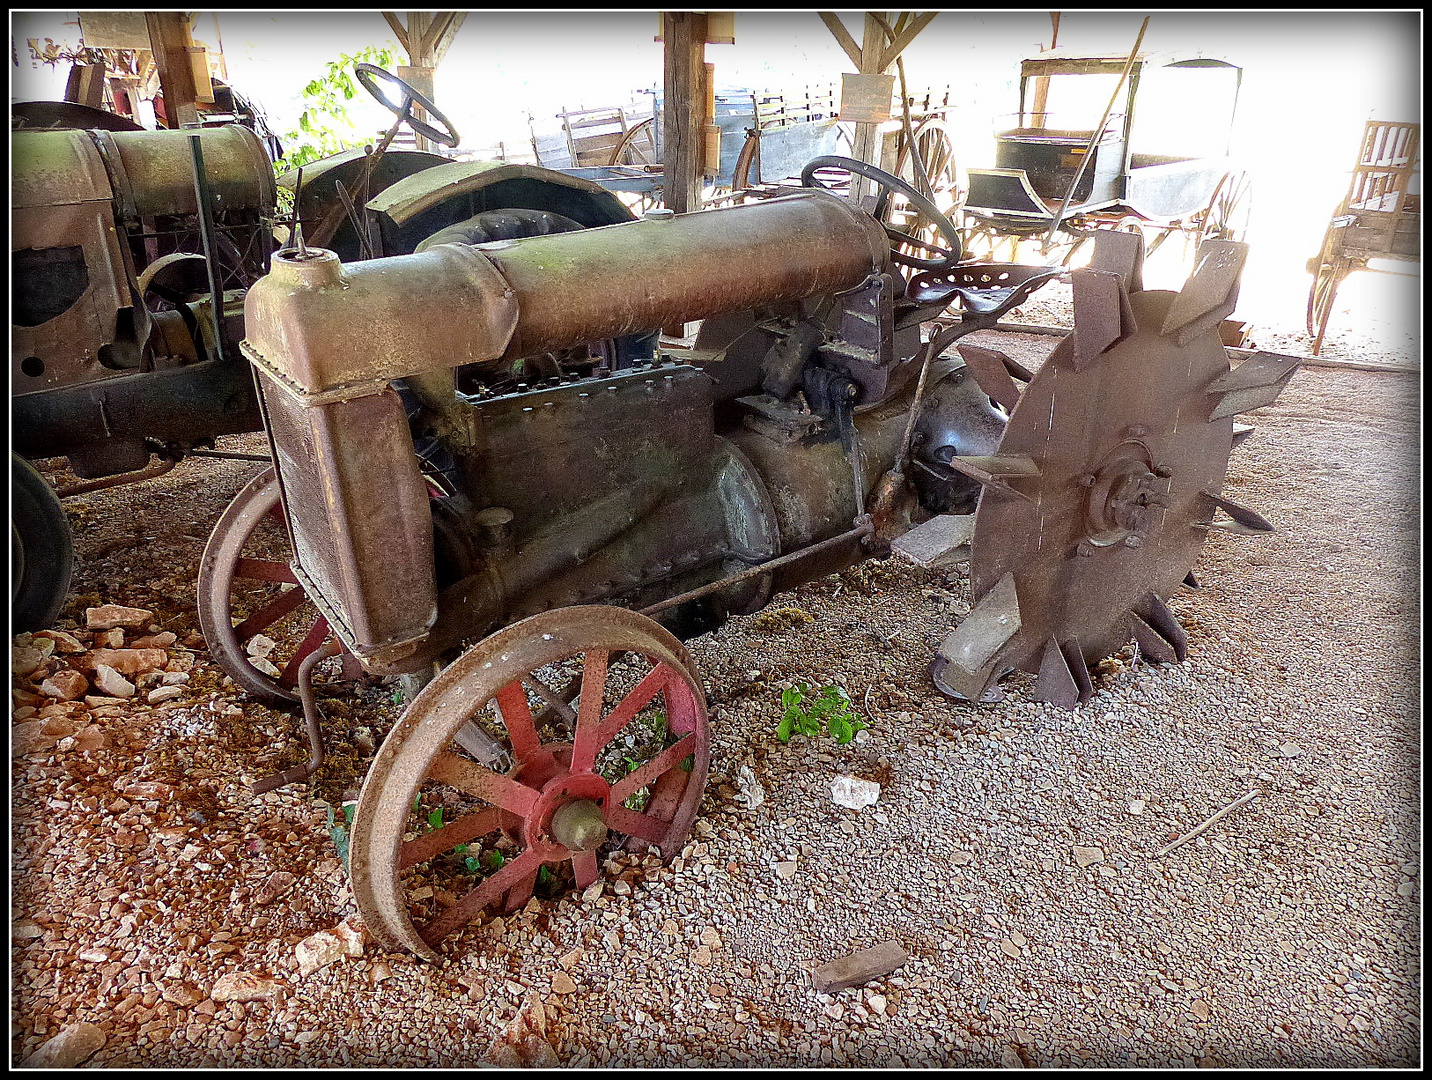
x,y
937,153
562,786
981,240
247,592
627,148
1328,276
1226,217
1329,269
370,75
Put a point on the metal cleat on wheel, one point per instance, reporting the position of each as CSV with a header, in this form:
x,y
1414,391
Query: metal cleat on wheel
x,y
1127,430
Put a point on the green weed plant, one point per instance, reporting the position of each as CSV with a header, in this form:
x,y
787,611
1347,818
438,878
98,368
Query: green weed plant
x,y
810,712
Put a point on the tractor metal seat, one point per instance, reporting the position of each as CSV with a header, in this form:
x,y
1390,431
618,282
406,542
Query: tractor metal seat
x,y
985,290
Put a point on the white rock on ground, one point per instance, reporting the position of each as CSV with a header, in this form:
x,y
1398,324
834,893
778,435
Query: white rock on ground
x,y
854,793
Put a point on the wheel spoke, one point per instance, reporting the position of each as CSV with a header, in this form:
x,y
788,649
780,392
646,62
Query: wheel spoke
x,y
482,783
584,868
520,893
666,795
667,759
270,613
471,905
589,711
452,834
317,634
656,679
517,719
265,570
644,827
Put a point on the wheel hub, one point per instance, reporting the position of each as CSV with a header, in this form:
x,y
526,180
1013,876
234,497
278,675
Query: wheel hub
x,y
562,812
578,826
1123,491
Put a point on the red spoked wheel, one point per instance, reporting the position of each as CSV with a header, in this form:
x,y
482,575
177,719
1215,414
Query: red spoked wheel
x,y
492,786
255,616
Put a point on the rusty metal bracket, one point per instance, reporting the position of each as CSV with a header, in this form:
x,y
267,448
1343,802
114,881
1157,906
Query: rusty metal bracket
x,y
1252,384
1211,293
1102,315
159,468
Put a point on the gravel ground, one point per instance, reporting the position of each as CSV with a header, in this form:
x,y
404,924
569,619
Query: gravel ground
x,y
158,907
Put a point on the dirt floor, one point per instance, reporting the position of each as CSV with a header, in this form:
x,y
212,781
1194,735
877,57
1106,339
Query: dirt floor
x,y
164,916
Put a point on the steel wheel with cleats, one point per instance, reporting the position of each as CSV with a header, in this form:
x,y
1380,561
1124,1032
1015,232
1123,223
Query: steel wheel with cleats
x,y
247,589
1107,480
490,778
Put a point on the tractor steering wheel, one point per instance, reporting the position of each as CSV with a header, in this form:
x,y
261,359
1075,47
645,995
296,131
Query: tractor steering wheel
x,y
948,256
367,73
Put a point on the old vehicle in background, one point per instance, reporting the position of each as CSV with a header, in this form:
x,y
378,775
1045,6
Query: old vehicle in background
x,y
1378,220
114,351
1155,160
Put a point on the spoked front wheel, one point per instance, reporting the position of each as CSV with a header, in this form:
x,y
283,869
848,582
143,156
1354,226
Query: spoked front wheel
x,y
255,616
492,787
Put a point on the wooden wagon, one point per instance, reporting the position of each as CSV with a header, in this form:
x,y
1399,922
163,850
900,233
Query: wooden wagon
x,y
1379,219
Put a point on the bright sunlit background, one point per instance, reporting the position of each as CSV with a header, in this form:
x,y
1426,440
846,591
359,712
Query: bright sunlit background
x,y
1311,79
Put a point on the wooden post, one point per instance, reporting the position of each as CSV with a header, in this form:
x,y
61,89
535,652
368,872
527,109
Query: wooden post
x,y
1041,84
425,39
171,43
875,55
866,144
684,108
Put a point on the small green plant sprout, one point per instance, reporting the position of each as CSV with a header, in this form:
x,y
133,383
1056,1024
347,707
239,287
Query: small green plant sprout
x,y
474,865
808,713
340,831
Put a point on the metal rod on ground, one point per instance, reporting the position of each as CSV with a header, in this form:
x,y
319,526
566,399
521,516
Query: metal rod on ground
x,y
206,235
1242,354
1093,141
864,529
310,719
229,455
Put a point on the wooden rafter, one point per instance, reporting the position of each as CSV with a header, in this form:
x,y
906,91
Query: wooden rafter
x,y
399,30
842,35
903,38
425,38
874,61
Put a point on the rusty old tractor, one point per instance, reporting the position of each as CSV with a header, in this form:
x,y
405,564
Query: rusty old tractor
x,y
131,253
469,476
